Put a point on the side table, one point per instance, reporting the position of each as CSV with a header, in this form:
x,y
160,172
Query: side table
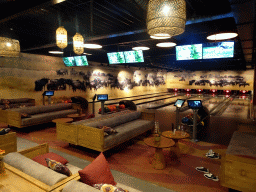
x,y
62,120
175,137
159,161
8,142
76,116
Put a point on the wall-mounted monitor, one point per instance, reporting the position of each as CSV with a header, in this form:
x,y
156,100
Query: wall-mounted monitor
x,y
75,61
189,52
218,50
102,97
116,58
81,61
194,104
69,61
134,56
179,103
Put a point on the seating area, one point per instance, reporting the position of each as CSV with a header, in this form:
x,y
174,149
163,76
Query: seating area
x,y
88,133
28,116
239,164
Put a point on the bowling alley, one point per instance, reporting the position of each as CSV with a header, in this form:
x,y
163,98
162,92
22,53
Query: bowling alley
x,y
127,96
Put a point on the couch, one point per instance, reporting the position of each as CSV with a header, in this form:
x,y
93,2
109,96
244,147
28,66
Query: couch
x,y
87,133
16,103
28,116
238,166
21,164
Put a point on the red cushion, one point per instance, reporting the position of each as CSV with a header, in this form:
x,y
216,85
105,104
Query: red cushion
x,y
41,158
97,172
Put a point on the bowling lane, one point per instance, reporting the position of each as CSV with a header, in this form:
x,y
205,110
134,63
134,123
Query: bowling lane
x,y
239,108
161,102
138,99
214,102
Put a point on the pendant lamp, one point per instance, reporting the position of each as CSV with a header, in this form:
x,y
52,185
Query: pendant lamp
x,y
9,47
78,44
166,18
61,37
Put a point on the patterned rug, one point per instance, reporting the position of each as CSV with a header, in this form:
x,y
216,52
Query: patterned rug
x,y
135,158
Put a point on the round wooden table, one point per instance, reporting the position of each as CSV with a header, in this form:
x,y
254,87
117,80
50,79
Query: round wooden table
x,y
76,116
62,120
175,137
159,161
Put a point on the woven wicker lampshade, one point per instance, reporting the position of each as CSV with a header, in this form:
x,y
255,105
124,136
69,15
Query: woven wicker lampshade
x,y
9,47
61,37
166,18
78,44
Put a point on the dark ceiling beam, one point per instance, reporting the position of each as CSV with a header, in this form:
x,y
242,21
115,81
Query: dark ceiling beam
x,y
32,10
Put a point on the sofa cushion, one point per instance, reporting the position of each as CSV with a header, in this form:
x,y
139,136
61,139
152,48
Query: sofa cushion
x,y
78,186
116,120
58,167
128,130
242,144
107,187
43,108
97,172
102,117
41,158
33,168
46,117
108,130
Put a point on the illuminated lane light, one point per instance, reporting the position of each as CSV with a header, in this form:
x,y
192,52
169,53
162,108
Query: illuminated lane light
x,y
175,90
188,90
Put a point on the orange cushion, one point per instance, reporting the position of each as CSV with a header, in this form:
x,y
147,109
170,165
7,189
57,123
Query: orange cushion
x,y
97,172
41,158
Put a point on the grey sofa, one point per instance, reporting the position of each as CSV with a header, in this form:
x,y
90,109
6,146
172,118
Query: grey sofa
x,y
16,103
239,164
36,114
87,133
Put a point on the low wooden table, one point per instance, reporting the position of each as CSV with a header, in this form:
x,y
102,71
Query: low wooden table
x,y
175,137
62,120
8,142
159,161
76,116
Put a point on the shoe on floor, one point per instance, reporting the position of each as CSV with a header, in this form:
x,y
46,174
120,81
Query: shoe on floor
x,y
210,152
202,169
211,176
214,156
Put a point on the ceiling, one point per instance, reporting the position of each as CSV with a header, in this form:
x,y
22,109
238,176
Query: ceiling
x,y
120,25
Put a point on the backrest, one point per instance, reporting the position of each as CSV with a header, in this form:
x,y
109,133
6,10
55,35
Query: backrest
x,y
43,108
116,120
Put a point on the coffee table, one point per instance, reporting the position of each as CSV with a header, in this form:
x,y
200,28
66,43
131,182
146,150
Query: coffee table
x,y
159,161
76,116
62,120
175,137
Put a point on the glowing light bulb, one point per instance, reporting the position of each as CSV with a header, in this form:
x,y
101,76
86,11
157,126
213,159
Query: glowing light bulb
x,y
9,44
166,10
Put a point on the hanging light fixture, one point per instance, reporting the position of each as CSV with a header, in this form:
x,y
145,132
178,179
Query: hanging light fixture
x,y
92,46
78,44
166,44
140,48
166,18
9,47
222,36
61,37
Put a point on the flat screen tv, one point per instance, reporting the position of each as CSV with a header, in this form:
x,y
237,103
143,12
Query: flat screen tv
x,y
194,104
134,56
179,103
116,58
69,61
189,52
218,50
81,61
75,61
